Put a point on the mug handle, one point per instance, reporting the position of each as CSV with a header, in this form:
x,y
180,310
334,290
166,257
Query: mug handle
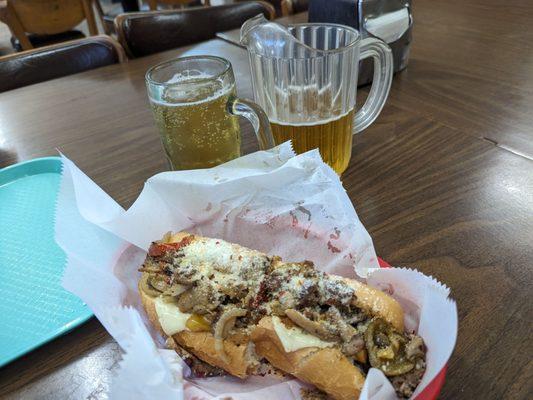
x,y
383,70
257,117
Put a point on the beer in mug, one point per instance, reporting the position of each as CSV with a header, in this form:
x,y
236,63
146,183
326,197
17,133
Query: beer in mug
x,y
195,108
195,127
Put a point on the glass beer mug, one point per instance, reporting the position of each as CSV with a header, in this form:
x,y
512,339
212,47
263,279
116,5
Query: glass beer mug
x,y
305,79
195,109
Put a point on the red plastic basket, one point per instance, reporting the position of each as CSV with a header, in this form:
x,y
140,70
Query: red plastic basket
x,y
432,391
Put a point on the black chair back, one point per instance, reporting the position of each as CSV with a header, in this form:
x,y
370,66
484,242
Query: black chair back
x,y
299,6
151,32
45,63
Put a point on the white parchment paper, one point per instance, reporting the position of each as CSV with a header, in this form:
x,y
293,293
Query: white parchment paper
x,y
273,201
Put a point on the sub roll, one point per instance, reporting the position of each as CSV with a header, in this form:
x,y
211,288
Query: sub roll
x,y
229,309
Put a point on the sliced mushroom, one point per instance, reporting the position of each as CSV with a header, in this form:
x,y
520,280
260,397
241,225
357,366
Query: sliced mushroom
x,y
353,346
147,288
343,329
175,290
415,348
197,300
314,328
150,268
158,282
186,301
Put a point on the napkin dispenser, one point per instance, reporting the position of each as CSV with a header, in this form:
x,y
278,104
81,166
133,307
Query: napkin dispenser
x,y
388,20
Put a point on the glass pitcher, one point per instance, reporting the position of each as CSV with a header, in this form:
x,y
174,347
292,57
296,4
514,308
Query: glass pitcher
x,y
305,79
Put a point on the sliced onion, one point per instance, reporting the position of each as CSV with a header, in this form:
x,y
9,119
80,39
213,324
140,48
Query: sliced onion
x,y
222,327
314,328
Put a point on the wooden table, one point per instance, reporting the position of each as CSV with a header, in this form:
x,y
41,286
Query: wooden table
x,y
442,180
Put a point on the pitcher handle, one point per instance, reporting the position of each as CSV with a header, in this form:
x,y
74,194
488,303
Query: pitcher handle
x,y
383,70
257,117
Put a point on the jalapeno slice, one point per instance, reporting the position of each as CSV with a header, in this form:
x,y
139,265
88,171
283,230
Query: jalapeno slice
x,y
386,348
197,323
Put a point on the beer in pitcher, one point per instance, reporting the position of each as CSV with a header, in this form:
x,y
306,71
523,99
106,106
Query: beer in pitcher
x,y
305,78
333,138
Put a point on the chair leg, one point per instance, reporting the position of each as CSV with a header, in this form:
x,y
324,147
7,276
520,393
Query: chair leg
x,y
89,16
286,7
100,13
16,28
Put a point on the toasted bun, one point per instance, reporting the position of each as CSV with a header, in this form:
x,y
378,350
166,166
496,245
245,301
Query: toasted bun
x,y
202,344
177,237
328,369
377,303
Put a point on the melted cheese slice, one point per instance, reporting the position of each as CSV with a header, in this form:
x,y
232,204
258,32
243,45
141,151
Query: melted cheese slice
x,y
296,338
170,317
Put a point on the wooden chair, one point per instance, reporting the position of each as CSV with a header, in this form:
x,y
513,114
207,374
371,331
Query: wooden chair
x,y
49,62
287,7
282,7
108,19
150,32
172,3
37,22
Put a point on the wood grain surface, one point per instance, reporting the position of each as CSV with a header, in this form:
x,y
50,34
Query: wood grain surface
x,y
432,192
471,69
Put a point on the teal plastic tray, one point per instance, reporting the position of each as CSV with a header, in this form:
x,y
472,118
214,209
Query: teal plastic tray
x,y
34,308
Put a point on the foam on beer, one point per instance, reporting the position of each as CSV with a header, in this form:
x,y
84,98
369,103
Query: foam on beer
x,y
305,105
178,95
310,123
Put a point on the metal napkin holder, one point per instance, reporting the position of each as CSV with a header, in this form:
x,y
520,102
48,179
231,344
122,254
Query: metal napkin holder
x,y
388,20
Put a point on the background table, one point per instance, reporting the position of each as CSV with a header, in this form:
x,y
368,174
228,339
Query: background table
x,y
443,181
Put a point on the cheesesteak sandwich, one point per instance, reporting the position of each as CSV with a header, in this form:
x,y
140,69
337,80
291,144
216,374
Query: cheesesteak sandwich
x,y
228,309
